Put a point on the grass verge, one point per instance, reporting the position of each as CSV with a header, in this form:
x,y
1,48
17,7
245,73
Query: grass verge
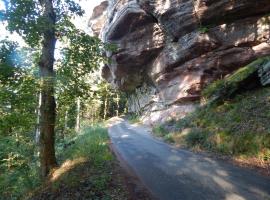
x,y
133,118
88,170
237,127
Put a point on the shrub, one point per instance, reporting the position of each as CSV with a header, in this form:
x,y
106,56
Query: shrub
x,y
196,137
133,118
160,131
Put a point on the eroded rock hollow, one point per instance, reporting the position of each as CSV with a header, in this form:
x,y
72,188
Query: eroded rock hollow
x,y
169,50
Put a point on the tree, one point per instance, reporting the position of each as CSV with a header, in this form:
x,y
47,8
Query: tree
x,y
47,107
37,22
41,23
77,71
18,88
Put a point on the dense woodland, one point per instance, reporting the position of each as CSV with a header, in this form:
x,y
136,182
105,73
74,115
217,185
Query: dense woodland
x,y
45,100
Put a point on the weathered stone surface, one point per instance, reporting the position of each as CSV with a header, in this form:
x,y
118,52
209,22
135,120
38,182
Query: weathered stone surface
x,y
98,17
169,50
139,40
185,82
173,112
180,17
142,99
176,53
247,32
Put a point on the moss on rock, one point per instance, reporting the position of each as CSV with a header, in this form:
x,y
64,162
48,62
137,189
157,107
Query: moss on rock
x,y
245,77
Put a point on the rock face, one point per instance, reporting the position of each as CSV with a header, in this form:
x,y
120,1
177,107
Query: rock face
x,y
169,50
98,18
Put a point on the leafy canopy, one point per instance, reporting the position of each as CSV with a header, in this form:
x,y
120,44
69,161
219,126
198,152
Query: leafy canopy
x,y
25,17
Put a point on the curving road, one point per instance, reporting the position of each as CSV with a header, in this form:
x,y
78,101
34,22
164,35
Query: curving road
x,y
175,174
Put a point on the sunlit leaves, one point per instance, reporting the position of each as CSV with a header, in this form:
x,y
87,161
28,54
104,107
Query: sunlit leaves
x,y
67,8
17,88
82,55
23,17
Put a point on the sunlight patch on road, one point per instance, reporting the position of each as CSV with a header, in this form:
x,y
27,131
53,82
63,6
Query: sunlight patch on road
x,y
234,197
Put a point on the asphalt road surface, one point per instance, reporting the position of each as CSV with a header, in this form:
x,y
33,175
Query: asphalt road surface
x,y
175,174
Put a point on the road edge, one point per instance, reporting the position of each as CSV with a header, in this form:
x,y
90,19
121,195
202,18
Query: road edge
x,y
135,185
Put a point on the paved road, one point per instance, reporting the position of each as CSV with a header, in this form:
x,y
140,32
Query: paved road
x,y
175,174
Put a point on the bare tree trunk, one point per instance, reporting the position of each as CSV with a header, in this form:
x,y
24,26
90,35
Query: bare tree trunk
x,y
77,127
37,137
105,108
48,106
105,105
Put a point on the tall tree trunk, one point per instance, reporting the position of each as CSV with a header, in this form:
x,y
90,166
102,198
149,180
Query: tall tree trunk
x,y
77,127
117,104
48,106
105,104
37,137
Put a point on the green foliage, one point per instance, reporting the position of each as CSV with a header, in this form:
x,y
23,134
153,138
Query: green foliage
x,y
160,130
203,29
91,145
133,118
81,58
196,137
17,91
236,127
169,138
18,164
228,86
78,77
18,88
87,167
25,18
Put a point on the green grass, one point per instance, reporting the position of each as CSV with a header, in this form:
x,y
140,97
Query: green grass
x,y
236,127
91,143
160,131
91,150
18,166
87,167
133,118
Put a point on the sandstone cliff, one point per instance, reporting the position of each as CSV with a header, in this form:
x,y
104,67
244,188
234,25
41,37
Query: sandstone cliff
x,y
169,50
